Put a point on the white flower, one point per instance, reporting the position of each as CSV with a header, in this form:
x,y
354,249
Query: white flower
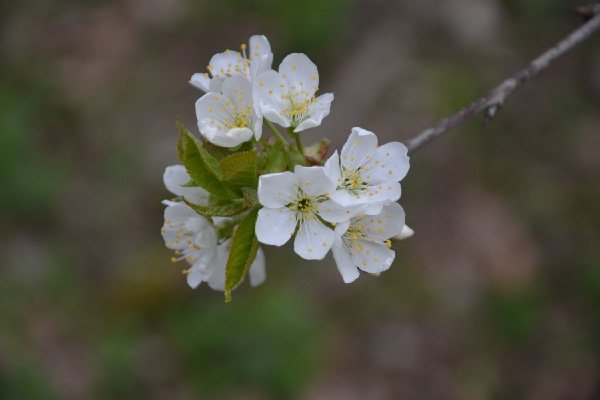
x,y
368,173
298,203
363,242
287,97
229,119
257,60
193,238
175,176
257,272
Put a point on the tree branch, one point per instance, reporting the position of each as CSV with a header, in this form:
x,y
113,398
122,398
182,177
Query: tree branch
x,y
493,101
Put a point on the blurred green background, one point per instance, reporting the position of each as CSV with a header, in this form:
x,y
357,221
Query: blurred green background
x,y
497,296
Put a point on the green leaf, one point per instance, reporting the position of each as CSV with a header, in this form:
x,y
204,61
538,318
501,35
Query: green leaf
x,y
239,169
250,197
244,246
217,152
190,183
202,167
223,210
276,160
294,157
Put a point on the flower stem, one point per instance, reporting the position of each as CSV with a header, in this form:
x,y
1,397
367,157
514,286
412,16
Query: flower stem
x,y
296,136
274,130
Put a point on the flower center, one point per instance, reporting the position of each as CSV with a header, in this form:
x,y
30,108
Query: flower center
x,y
297,106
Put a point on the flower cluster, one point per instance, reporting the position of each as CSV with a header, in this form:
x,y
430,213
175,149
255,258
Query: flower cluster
x,y
237,188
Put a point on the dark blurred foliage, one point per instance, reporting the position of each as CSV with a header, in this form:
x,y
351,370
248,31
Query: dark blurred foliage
x,y
497,296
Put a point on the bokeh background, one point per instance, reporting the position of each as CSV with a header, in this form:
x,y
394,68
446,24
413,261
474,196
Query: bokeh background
x,y
497,296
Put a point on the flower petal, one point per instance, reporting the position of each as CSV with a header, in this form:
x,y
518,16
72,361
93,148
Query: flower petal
x,y
301,72
277,190
358,147
275,226
226,64
387,224
333,170
201,81
384,192
268,92
258,272
313,180
344,261
194,278
313,239
260,55
216,280
316,111
374,258
332,212
389,162
175,176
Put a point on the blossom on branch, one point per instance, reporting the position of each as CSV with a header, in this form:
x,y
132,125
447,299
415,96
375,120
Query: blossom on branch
x,y
287,97
364,243
229,118
367,173
249,63
297,203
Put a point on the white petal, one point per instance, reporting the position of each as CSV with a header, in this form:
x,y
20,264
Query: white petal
x,y
389,162
387,224
344,261
333,170
384,192
268,91
258,272
216,280
332,212
201,81
275,226
227,64
405,234
260,53
239,90
216,84
313,180
313,240
277,190
375,258
234,137
194,278
316,111
175,176
300,71
344,198
358,148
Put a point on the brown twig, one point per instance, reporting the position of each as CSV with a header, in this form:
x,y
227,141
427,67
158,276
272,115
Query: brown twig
x,y
494,100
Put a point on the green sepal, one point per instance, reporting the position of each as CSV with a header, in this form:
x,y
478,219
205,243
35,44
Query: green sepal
x,y
244,246
276,159
223,210
202,167
239,169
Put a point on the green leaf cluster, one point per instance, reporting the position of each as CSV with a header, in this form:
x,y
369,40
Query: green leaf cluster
x,y
231,177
